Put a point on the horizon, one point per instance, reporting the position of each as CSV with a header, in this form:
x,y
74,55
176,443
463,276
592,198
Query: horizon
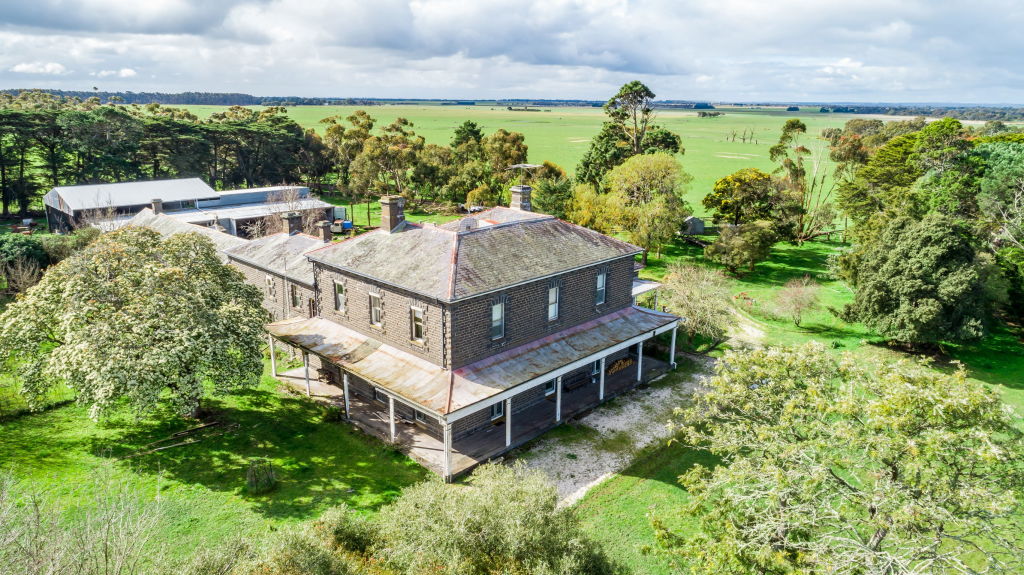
x,y
792,51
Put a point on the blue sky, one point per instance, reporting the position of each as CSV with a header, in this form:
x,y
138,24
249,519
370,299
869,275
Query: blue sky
x,y
722,50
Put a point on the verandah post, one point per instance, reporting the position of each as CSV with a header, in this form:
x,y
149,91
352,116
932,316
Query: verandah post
x,y
640,361
273,358
344,386
672,348
447,451
391,416
508,422
600,388
558,398
305,364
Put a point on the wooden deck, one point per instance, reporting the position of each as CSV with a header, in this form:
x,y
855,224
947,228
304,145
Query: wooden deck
x,y
485,444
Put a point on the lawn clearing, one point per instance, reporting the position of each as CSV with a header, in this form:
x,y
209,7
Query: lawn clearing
x,y
318,464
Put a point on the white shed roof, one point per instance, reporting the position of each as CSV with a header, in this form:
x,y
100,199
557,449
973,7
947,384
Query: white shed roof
x,y
93,196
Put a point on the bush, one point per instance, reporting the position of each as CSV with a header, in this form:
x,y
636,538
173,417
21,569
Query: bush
x,y
797,297
15,247
742,247
260,477
60,247
342,527
505,520
296,551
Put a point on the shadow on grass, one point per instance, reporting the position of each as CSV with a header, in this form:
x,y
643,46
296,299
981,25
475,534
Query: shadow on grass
x,y
317,464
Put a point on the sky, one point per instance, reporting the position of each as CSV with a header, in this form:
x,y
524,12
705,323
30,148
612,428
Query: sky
x,y
720,50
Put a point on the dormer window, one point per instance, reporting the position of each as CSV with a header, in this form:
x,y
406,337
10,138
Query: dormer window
x,y
553,295
602,287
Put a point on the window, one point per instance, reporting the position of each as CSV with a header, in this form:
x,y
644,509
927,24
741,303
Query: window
x,y
422,417
379,395
339,296
375,311
416,323
553,303
498,320
549,388
595,368
271,288
498,410
602,283
293,293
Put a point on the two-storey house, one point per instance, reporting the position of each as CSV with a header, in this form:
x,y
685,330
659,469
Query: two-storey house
x,y
463,340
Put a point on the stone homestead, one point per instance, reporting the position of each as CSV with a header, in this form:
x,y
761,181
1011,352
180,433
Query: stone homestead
x,y
463,340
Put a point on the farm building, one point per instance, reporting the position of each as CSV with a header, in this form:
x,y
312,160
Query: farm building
x,y
463,340
190,200
693,225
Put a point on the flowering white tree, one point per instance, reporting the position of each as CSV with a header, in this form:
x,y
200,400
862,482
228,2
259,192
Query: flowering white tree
x,y
133,318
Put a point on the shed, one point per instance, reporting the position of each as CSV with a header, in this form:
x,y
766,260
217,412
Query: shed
x,y
693,226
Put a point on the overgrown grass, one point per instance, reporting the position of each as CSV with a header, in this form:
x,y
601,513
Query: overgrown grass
x,y
317,464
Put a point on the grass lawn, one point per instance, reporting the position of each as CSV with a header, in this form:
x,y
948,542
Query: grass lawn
x,y
318,464
618,511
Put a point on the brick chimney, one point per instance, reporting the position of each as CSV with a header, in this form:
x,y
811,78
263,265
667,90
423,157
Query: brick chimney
x,y
325,231
158,205
294,222
391,212
521,198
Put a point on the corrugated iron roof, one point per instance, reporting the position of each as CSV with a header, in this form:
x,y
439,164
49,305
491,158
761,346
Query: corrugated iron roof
x,y
438,390
93,196
451,262
281,253
167,226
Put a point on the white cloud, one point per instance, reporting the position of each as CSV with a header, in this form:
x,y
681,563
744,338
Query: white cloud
x,y
734,50
122,73
49,68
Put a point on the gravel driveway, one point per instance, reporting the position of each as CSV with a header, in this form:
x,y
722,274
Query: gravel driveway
x,y
607,439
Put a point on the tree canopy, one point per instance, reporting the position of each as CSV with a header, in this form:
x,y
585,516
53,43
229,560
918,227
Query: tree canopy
x,y
834,466
133,317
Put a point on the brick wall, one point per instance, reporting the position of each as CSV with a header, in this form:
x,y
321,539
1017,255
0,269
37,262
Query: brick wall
x,y
364,390
395,326
277,301
526,310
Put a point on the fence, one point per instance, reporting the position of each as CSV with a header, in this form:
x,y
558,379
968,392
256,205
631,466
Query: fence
x,y
13,405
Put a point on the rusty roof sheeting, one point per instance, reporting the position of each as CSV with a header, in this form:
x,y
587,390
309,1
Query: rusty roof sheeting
x,y
426,384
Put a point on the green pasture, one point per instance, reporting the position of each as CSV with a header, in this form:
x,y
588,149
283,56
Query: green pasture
x,y
562,135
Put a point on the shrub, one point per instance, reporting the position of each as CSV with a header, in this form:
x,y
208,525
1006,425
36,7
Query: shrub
x,y
742,247
260,477
797,297
296,551
505,520
342,527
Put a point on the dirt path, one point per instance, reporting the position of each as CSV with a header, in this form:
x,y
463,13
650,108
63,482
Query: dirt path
x,y
606,440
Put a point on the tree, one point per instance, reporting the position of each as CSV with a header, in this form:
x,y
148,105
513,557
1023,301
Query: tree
x,y
133,318
834,466
702,296
628,132
384,165
805,210
505,520
653,210
630,109
742,247
468,131
922,283
553,196
797,297
746,196
503,149
592,209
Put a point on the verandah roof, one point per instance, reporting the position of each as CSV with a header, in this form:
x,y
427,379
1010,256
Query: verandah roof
x,y
441,391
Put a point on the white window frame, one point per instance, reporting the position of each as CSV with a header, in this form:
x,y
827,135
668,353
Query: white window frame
x,y
497,410
379,395
420,417
271,287
601,287
414,313
294,296
549,387
554,301
340,298
376,310
498,324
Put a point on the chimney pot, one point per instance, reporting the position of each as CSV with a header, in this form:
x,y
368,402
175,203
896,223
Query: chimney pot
x,y
158,205
294,222
325,231
521,198
392,212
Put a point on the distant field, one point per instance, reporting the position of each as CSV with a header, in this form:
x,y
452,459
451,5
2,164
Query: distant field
x,y
562,135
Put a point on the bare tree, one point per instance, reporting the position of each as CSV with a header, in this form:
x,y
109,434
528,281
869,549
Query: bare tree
x,y
21,274
796,298
702,297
